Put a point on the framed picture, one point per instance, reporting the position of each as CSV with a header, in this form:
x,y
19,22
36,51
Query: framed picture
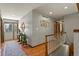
x,y
23,26
44,23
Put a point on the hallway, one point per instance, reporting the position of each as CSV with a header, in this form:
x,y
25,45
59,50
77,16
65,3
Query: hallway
x,y
12,48
40,33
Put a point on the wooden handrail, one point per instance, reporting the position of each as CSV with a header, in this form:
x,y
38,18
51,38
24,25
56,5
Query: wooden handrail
x,y
54,34
46,46
49,35
46,43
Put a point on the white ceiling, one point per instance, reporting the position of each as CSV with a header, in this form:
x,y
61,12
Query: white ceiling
x,y
16,10
57,9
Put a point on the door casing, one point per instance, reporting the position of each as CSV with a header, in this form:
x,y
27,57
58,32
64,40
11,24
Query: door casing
x,y
13,27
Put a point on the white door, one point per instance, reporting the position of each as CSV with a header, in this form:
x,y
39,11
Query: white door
x,y
15,30
8,31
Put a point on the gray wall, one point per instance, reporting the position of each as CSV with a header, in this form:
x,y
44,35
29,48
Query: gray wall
x,y
34,31
38,31
37,34
0,32
27,19
76,43
71,22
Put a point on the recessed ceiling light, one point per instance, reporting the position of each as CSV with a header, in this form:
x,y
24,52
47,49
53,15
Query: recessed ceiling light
x,y
65,7
50,12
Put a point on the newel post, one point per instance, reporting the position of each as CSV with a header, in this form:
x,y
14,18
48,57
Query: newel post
x,y
46,46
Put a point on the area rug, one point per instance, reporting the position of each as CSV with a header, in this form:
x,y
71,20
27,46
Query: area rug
x,y
12,48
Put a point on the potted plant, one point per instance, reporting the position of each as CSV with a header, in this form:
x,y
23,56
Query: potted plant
x,y
24,39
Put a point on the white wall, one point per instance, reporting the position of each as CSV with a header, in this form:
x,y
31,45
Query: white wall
x,y
71,22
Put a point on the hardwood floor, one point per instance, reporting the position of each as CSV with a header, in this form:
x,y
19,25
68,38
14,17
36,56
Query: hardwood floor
x,y
71,50
32,51
40,50
35,51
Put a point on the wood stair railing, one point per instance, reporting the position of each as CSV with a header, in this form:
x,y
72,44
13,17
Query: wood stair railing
x,y
46,41
46,44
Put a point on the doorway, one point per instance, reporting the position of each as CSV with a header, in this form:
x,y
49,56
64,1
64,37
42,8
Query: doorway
x,y
10,31
58,27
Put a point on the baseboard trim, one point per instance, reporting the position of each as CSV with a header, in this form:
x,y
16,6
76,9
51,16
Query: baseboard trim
x,y
36,45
